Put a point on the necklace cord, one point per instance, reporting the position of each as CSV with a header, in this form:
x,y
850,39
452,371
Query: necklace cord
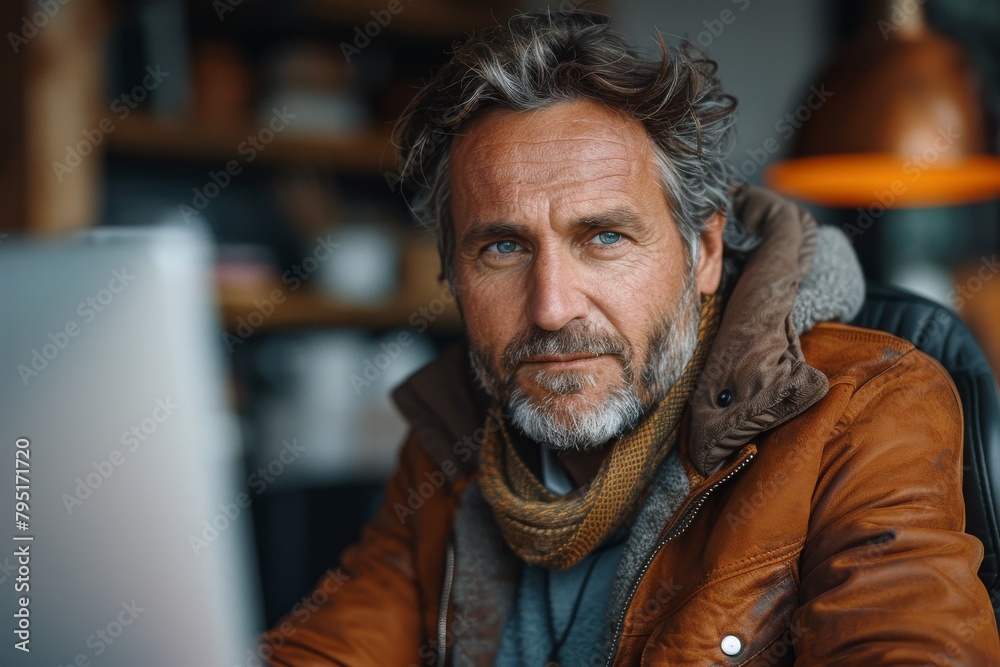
x,y
557,644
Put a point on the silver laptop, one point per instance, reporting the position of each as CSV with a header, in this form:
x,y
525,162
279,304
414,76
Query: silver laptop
x,y
124,522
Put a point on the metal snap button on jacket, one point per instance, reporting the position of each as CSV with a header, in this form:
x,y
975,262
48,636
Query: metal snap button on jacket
x,y
731,645
725,398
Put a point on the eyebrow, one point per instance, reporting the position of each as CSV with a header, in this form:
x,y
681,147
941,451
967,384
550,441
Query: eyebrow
x,y
622,218
479,234
618,218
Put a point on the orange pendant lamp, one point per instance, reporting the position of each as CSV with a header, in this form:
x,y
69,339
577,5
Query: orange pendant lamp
x,y
903,125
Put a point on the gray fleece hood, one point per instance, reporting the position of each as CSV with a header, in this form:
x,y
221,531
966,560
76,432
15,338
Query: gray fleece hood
x,y
798,275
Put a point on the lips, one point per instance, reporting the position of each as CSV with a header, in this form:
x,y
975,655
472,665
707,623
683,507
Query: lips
x,y
559,358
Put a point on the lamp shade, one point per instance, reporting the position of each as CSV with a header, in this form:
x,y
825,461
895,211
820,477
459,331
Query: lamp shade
x,y
902,116
859,179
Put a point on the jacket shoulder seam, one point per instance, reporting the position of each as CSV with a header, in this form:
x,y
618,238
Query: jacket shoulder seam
x,y
869,383
856,333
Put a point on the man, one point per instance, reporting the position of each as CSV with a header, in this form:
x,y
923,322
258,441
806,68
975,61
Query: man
x,y
658,445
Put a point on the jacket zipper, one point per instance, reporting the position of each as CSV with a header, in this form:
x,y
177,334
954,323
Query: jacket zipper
x,y
679,528
449,575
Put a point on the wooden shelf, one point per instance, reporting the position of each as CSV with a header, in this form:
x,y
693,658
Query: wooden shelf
x,y
440,19
305,308
143,135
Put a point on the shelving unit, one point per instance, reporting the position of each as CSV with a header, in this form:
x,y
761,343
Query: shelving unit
x,y
369,151
365,154
311,308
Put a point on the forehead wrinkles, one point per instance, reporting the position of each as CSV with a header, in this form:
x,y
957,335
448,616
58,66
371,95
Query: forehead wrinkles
x,y
531,149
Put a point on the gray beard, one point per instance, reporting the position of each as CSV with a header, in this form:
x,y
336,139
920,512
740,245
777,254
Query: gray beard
x,y
621,410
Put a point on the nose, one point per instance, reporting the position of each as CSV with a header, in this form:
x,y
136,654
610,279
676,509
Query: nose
x,y
556,296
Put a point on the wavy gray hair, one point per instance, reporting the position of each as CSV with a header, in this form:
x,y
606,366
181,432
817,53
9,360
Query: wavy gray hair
x,y
544,57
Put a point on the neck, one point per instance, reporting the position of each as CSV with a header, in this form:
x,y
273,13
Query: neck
x,y
580,465
583,466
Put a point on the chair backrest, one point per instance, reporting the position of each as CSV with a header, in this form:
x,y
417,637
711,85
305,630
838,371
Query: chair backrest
x,y
937,331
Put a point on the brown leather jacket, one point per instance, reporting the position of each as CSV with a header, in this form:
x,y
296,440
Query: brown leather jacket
x,y
820,522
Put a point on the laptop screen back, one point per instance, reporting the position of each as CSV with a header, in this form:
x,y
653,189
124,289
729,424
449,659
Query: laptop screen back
x,y
131,545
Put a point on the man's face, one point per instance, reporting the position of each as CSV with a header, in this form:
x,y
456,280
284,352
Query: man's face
x,y
570,269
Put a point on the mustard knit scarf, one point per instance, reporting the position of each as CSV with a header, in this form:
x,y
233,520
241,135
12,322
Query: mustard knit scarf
x,y
558,532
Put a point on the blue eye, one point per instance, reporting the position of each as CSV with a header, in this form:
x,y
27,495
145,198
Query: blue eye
x,y
608,238
505,247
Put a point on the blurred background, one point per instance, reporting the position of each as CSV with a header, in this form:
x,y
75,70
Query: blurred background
x,y
268,122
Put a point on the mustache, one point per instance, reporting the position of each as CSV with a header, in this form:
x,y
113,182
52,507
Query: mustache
x,y
574,338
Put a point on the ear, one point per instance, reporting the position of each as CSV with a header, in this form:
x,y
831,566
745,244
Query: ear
x,y
708,272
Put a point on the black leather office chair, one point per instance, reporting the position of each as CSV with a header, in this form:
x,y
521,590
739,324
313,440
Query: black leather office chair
x,y
939,332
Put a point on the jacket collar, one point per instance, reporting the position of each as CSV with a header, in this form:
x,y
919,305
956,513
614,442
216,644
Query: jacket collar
x,y
796,276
